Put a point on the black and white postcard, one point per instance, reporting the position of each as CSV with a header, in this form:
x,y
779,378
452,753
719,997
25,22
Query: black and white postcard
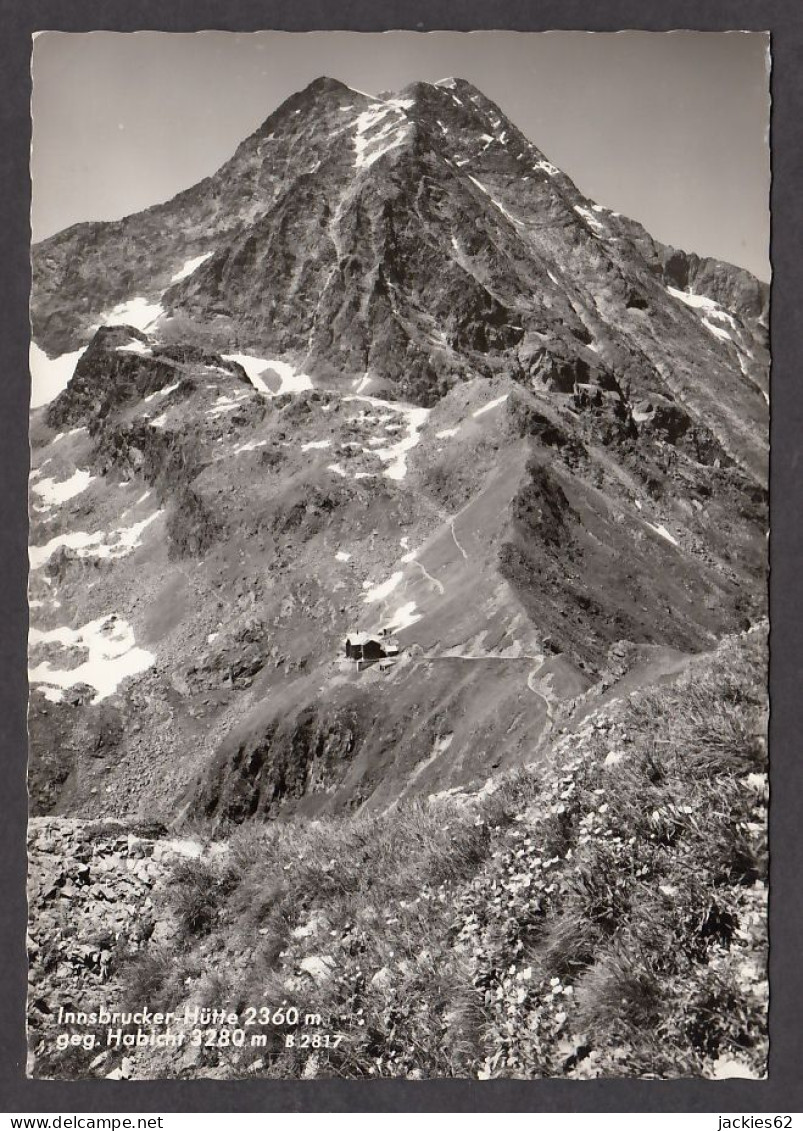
x,y
398,556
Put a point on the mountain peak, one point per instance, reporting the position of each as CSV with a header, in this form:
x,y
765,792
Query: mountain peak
x,y
447,86
324,84
456,84
323,92
421,235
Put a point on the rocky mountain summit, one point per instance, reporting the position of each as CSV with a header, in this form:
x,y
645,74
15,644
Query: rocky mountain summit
x,y
422,240
387,367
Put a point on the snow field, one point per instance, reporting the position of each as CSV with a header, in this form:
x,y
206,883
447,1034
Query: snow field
x,y
112,656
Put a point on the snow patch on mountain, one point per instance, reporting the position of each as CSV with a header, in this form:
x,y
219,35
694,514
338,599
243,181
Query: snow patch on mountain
x,y
403,617
135,346
395,455
723,316
72,432
590,219
50,375
379,130
508,215
364,93
383,589
400,103
490,405
137,312
226,403
249,446
707,308
189,267
747,374
291,380
434,582
100,544
254,367
663,532
112,656
161,392
718,331
55,492
697,302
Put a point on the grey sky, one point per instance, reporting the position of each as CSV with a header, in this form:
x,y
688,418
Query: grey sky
x,y
669,128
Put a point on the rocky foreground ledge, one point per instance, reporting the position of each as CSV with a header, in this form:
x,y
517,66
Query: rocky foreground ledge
x,y
96,892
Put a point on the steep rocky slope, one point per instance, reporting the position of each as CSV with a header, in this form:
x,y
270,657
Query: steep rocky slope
x,y
601,914
387,366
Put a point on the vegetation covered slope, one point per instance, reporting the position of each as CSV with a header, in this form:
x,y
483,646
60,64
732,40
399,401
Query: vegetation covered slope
x,y
605,915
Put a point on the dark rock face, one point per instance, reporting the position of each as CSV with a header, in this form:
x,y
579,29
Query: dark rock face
x,y
107,375
612,421
557,374
111,375
734,287
287,760
192,526
541,507
529,421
